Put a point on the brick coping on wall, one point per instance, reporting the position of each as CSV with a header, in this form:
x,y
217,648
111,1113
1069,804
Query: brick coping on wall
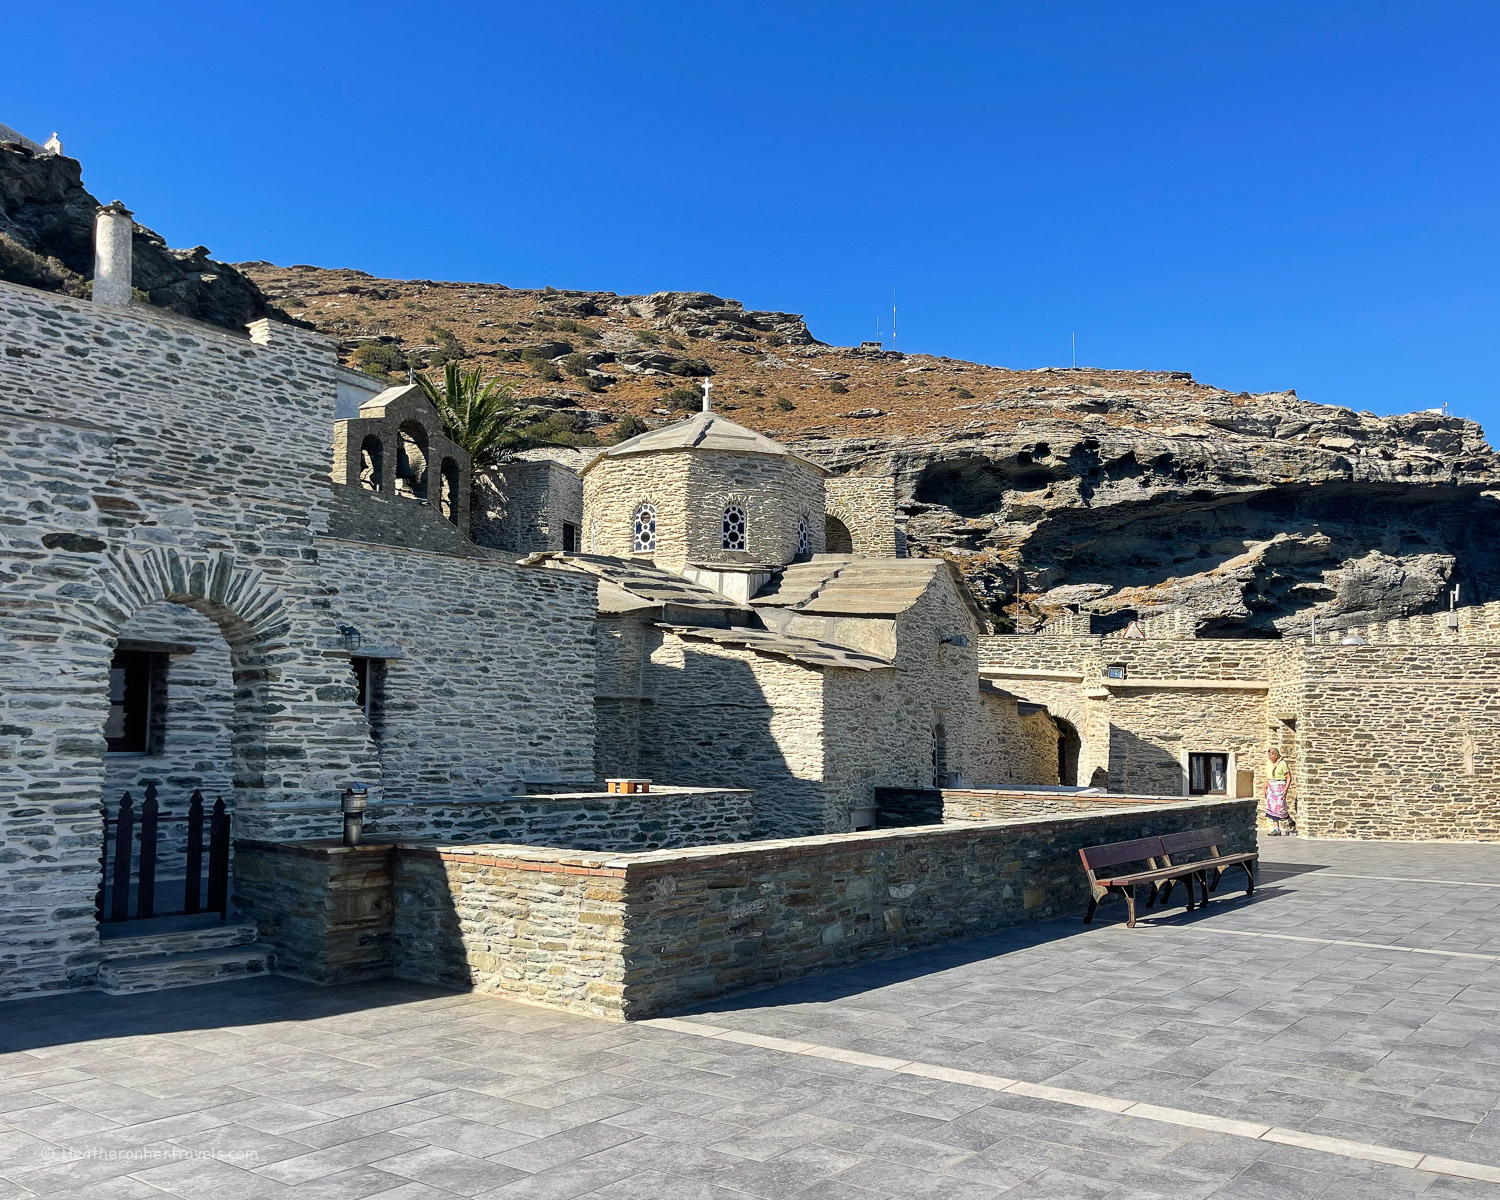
x,y
596,796
639,864
1102,799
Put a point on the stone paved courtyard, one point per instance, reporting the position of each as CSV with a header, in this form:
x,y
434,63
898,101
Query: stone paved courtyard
x,y
1233,1035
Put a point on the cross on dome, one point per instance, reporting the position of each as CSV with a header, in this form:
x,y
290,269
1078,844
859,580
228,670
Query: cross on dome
x,y
707,405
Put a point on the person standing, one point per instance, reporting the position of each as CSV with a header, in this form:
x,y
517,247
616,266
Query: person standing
x,y
1277,786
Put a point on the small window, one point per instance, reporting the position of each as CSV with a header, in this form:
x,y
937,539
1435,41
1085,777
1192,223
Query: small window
x,y
369,688
939,755
804,537
643,539
734,528
1208,774
570,538
137,684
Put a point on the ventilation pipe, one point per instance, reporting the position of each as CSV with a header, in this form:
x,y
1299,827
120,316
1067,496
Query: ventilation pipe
x,y
113,230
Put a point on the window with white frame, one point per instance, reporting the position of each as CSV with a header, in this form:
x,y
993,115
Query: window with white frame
x,y
734,527
1208,774
643,530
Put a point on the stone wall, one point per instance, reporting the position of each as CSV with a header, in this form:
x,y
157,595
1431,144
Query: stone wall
x,y
522,507
1399,741
326,909
722,716
775,492
1000,805
866,504
690,490
543,927
1395,739
614,489
883,727
1152,730
490,682
640,935
662,818
1177,696
152,459
357,515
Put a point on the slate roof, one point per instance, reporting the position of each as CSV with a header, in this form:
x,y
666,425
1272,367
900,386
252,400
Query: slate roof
x,y
705,431
843,585
630,583
806,651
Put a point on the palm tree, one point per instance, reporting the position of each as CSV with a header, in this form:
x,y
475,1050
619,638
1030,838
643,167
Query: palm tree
x,y
481,416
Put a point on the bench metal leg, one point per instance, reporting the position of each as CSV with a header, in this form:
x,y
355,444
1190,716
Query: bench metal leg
x,y
1088,918
1250,878
1130,905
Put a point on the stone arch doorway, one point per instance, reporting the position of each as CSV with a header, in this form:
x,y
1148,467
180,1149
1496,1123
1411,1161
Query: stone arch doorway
x,y
1069,748
191,685
836,536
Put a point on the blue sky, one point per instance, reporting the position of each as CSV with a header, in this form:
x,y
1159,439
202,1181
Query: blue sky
x,y
1268,195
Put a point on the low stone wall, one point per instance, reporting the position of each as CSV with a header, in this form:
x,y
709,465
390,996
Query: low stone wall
x,y
540,926
903,807
987,805
627,936
326,908
703,923
659,819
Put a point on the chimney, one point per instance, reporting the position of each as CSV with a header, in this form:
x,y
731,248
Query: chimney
x,y
113,230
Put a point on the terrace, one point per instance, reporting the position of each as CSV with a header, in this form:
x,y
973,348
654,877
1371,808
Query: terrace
x,y
1332,1036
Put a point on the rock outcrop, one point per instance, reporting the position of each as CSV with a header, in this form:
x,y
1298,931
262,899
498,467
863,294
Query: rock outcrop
x,y
46,241
1258,514
1121,493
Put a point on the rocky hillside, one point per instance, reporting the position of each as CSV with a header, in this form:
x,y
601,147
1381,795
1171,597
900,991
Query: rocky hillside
x,y
1122,492
47,242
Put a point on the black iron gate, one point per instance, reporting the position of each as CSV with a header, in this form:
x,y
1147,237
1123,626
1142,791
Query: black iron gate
x,y
123,858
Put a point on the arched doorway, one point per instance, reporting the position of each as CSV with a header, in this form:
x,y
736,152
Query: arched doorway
x,y
1069,746
167,747
836,536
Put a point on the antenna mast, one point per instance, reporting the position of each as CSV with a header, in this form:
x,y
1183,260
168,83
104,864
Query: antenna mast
x,y
893,318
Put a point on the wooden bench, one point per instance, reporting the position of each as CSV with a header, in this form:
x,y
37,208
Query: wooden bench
x,y
1160,872
1175,845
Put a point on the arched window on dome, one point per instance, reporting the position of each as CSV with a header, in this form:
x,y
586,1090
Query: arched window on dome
x,y
734,527
643,529
804,537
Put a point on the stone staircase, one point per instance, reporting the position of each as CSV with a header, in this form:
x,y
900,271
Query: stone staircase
x,y
169,952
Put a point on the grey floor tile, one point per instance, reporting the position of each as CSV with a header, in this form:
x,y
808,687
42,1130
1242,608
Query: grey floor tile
x,y
449,1170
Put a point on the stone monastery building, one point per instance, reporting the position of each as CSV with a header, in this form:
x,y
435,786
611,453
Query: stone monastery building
x,y
231,567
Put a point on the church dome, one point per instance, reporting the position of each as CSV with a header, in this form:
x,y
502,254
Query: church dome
x,y
700,492
705,431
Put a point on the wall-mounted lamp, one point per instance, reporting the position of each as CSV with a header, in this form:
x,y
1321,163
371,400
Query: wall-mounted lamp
x,y
350,636
956,639
1114,671
356,799
1353,639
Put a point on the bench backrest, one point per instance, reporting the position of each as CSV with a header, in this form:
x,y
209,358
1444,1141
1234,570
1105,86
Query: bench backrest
x,y
1115,853
1193,839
